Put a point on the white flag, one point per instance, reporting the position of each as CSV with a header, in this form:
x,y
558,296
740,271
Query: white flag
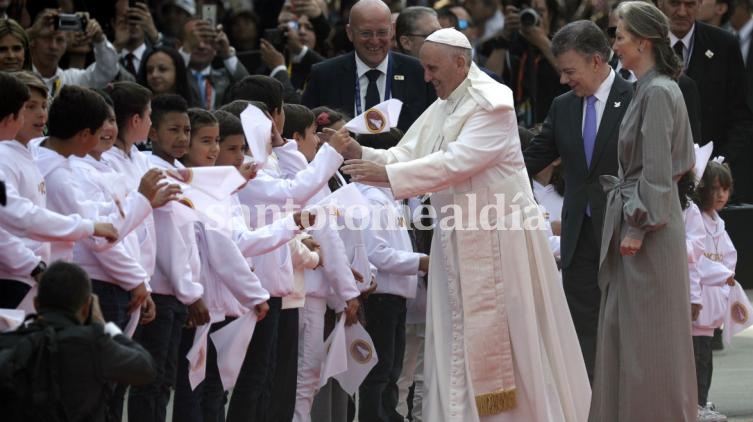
x,y
361,358
258,130
133,322
739,315
335,359
10,319
378,119
197,355
231,343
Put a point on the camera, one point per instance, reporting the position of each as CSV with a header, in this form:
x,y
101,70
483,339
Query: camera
x,y
529,17
71,22
293,25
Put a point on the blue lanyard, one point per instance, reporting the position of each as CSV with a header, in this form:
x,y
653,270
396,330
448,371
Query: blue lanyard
x,y
387,83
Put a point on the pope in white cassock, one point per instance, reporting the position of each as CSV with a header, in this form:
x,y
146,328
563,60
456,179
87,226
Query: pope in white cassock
x,y
500,344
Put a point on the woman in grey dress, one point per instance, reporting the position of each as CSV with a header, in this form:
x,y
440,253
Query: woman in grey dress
x,y
644,364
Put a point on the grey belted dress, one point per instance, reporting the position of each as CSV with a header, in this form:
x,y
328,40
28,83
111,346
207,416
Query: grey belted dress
x,y
644,359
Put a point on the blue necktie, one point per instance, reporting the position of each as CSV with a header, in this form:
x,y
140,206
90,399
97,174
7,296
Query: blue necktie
x,y
589,129
200,84
589,135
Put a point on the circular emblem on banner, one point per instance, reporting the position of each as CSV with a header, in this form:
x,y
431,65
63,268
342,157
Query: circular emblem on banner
x,y
376,121
361,351
739,313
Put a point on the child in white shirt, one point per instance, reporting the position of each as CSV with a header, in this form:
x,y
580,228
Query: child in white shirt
x,y
717,273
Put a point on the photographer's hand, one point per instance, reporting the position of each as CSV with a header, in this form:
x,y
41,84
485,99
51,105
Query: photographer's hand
x,y
94,31
293,40
140,15
270,56
44,24
222,44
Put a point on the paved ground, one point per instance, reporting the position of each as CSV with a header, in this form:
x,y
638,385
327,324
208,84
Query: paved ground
x,y
732,382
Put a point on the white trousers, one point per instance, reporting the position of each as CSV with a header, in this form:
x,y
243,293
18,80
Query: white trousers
x,y
310,355
413,371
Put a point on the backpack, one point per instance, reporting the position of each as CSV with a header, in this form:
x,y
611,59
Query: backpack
x,y
29,389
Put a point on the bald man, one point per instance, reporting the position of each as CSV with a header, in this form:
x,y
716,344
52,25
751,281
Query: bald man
x,y
372,73
500,345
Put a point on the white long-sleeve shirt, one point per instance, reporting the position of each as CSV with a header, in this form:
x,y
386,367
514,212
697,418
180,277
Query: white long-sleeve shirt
x,y
16,259
96,75
269,190
131,168
388,244
120,265
303,259
230,287
64,195
695,234
25,215
178,264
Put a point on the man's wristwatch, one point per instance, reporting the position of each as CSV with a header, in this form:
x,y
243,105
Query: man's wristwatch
x,y
39,269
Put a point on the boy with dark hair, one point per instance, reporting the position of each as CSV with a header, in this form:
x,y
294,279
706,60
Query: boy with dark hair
x,y
300,126
77,134
15,94
235,107
35,109
24,215
265,89
177,293
77,112
129,99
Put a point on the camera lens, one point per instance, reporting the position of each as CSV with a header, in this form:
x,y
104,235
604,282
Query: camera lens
x,y
529,17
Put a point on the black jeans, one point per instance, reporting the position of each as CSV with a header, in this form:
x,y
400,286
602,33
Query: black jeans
x,y
385,323
285,380
113,301
161,338
207,402
12,292
704,366
252,394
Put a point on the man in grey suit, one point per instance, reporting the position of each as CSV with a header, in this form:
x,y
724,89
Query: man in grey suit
x,y
582,128
200,44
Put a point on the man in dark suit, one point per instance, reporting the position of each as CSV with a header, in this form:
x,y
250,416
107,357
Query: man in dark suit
x,y
138,34
741,22
712,59
201,43
588,150
356,81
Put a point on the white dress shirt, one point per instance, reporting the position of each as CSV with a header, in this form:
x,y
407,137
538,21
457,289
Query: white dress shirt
x,y
363,81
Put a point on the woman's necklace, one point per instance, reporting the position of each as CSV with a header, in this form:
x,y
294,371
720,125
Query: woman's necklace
x,y
716,256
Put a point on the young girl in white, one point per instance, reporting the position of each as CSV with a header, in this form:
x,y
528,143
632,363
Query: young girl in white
x,y
716,270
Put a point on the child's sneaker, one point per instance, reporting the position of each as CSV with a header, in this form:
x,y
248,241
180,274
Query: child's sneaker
x,y
709,414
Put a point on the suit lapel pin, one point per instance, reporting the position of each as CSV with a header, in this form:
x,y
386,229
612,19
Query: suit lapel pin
x,y
709,53
617,104
399,78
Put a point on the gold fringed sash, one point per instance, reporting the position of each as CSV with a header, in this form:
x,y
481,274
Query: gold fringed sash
x,y
495,402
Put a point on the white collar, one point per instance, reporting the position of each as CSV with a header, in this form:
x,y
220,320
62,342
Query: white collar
x,y
138,51
686,40
362,68
204,72
602,93
58,73
744,32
